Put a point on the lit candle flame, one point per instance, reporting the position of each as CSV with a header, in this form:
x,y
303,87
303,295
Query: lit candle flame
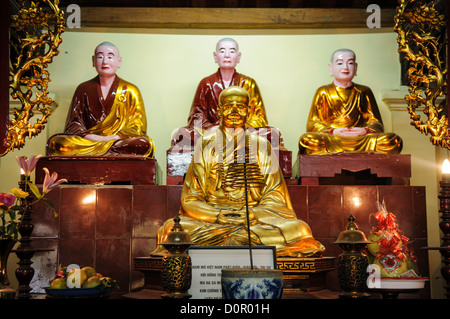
x,y
446,167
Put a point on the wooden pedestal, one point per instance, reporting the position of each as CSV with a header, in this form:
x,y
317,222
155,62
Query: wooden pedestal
x,y
151,268
99,170
354,169
300,275
305,275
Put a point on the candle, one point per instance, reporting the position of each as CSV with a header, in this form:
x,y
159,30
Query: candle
x,y
446,170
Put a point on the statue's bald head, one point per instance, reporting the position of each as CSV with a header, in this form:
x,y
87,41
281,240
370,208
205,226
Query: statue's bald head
x,y
332,58
227,40
106,44
233,91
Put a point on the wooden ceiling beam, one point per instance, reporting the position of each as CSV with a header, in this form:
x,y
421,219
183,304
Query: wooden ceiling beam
x,y
230,18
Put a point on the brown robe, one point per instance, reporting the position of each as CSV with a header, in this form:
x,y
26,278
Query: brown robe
x,y
122,112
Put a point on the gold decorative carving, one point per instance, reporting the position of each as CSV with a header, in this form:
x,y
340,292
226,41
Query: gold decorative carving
x,y
305,265
421,32
35,36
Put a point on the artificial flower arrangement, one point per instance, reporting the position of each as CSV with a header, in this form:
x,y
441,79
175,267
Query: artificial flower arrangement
x,y
389,249
10,204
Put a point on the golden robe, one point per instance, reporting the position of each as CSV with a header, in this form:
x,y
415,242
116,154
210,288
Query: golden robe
x,y
213,183
122,112
335,107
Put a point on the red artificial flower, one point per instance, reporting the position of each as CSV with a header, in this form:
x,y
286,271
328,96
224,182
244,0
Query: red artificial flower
x,y
7,199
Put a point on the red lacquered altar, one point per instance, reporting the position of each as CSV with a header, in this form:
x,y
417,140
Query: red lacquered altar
x,y
108,225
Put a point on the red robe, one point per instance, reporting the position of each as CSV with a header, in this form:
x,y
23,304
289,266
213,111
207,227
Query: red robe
x,y
203,114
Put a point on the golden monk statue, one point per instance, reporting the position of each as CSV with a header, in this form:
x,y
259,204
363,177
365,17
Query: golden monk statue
x,y
106,116
213,203
344,116
204,116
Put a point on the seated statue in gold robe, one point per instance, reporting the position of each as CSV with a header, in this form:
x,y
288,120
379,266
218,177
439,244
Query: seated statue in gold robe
x,y
344,116
203,115
213,201
106,116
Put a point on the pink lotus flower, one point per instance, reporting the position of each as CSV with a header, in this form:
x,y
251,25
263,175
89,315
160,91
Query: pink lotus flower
x,y
51,182
28,164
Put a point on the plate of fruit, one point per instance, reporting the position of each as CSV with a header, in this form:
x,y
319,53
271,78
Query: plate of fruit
x,y
78,282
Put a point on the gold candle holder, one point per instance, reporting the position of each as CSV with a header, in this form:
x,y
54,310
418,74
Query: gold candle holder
x,y
352,263
176,269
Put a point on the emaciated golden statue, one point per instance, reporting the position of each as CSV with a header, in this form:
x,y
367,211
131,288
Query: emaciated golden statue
x,y
344,116
106,116
213,205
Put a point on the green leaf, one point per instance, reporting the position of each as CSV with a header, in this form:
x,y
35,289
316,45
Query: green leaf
x,y
50,203
35,190
12,215
16,208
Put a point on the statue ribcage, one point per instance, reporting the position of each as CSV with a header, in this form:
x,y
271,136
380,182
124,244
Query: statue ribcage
x,y
244,168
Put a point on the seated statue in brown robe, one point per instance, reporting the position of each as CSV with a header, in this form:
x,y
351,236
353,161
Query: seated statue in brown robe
x,y
106,116
214,203
204,116
344,116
